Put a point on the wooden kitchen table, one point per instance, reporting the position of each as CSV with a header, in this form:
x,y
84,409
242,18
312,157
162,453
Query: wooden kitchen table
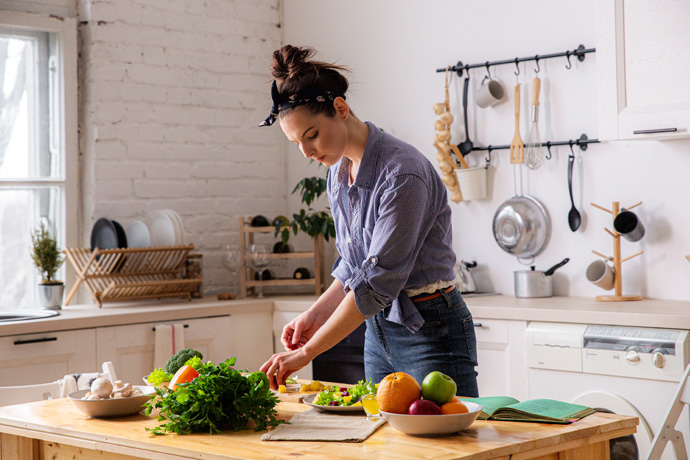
x,y
55,429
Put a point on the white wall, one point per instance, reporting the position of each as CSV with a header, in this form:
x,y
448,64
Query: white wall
x,y
393,48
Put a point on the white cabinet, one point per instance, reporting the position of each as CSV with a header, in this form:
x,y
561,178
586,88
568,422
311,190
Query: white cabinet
x,y
131,347
252,338
41,358
643,63
502,358
245,335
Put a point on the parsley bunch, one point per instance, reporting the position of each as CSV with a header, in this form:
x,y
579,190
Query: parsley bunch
x,y
219,398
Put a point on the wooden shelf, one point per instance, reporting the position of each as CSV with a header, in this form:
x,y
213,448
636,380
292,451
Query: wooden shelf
x,y
113,275
247,281
281,282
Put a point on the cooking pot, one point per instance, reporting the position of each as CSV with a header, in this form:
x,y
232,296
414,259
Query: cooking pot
x,y
522,226
463,277
536,283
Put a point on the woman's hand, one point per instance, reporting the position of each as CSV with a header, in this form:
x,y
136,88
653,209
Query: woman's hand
x,y
298,331
281,365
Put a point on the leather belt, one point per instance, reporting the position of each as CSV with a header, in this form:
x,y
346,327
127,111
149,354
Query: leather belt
x,y
424,298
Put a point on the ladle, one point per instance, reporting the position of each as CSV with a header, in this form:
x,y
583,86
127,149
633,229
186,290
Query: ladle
x,y
574,218
466,146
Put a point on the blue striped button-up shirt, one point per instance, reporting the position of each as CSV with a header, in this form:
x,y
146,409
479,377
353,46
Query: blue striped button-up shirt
x,y
393,228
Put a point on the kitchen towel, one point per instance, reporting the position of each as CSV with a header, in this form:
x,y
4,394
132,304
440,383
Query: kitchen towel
x,y
169,340
316,425
75,382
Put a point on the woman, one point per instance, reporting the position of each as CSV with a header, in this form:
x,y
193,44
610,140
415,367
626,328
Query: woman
x,y
393,234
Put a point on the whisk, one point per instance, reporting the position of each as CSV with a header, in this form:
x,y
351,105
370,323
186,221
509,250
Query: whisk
x,y
534,154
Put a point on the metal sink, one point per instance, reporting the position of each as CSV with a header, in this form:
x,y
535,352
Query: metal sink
x,y
7,316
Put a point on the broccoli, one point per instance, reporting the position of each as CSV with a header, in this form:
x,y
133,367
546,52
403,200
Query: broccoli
x,y
180,358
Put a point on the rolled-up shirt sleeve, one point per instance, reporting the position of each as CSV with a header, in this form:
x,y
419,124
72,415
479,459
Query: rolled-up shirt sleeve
x,y
341,271
404,220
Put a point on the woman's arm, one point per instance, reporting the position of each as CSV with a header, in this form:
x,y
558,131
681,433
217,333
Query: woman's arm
x,y
298,331
345,319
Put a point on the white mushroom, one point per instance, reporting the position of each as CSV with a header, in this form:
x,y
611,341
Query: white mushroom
x,y
102,388
126,389
93,398
118,383
137,392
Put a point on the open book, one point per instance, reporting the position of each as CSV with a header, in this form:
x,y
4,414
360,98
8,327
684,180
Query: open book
x,y
536,410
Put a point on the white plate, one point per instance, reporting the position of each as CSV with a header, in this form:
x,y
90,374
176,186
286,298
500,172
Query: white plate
x,y
434,425
111,407
179,227
309,401
138,235
161,228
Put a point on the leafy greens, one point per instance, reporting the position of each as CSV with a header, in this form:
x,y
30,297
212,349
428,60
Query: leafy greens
x,y
219,398
353,395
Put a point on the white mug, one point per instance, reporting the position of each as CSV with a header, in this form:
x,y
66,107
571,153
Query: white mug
x,y
602,274
490,93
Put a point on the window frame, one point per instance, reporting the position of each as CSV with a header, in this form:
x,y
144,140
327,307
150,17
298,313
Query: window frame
x,y
66,30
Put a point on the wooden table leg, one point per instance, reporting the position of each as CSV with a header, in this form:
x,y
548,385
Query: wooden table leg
x,y
16,447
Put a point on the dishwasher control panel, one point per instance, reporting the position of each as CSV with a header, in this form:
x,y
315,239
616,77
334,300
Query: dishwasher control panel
x,y
638,352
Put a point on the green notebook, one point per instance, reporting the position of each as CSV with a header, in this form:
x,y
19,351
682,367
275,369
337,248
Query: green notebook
x,y
536,410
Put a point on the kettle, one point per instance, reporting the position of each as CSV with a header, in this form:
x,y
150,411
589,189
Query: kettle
x,y
463,277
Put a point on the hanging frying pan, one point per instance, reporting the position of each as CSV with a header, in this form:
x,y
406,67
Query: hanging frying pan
x,y
522,227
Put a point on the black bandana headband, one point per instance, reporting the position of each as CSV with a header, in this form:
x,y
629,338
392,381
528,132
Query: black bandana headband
x,y
301,98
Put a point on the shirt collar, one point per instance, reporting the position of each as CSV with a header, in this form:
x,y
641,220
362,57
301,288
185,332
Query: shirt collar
x,y
366,175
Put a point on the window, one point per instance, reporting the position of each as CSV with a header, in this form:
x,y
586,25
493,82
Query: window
x,y
37,154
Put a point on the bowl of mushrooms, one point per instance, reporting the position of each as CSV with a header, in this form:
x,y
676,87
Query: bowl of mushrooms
x,y
105,399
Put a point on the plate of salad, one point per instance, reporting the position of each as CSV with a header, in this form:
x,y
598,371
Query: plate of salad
x,y
341,399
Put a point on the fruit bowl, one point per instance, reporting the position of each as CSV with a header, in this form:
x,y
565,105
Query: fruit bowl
x,y
433,425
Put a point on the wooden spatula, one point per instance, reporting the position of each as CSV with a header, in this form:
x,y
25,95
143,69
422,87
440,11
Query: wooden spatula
x,y
517,148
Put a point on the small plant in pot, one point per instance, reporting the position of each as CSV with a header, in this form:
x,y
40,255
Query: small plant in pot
x,y
47,258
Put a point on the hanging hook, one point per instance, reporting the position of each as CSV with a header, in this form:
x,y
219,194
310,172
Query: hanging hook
x,y
488,73
536,58
517,67
567,55
548,147
488,158
572,154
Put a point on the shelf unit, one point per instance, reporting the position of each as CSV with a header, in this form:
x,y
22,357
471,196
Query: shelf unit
x,y
114,275
247,281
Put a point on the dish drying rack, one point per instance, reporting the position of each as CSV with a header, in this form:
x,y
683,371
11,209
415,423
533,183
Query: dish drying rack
x,y
113,275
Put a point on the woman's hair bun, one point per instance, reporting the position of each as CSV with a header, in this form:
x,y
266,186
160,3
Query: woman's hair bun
x,y
296,71
290,61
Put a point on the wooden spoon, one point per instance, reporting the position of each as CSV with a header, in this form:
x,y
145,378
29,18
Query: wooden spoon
x,y
517,148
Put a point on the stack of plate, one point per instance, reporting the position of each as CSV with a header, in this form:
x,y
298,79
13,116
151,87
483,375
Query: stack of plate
x,y
165,228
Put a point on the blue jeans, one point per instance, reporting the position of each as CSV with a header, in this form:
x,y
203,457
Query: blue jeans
x,y
445,343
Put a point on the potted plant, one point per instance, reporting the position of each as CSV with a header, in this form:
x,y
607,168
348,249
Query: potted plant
x,y
313,223
47,259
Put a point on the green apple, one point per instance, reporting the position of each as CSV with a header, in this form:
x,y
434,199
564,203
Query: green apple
x,y
438,387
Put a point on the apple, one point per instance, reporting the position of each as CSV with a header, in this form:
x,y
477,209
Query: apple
x,y
423,407
438,387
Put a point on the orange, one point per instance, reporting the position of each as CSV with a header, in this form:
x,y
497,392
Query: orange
x,y
454,407
396,392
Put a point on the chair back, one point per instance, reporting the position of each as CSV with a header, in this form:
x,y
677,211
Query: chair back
x,y
42,391
29,393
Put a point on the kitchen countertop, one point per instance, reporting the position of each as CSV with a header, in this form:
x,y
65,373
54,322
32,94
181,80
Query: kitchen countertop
x,y
672,314
56,429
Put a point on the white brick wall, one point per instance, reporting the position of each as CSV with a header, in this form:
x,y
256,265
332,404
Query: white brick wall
x,y
172,92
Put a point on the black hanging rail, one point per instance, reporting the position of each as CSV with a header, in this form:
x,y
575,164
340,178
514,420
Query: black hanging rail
x,y
581,142
579,53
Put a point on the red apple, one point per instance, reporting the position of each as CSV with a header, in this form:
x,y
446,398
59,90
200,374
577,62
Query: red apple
x,y
423,407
